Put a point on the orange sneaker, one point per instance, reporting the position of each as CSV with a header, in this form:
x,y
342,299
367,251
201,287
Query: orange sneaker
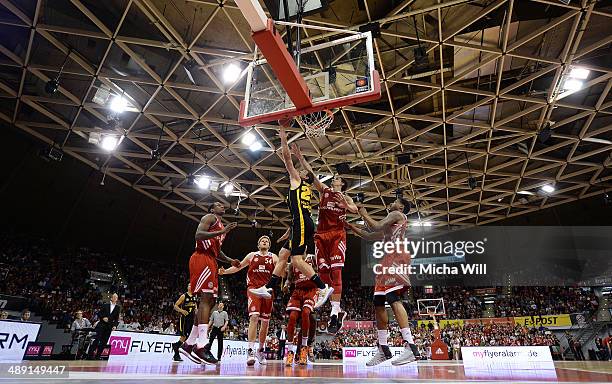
x,y
304,355
289,359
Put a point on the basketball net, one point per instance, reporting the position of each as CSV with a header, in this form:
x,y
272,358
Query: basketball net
x,y
316,123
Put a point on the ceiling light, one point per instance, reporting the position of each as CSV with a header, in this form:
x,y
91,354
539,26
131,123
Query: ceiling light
x,y
248,138
228,188
525,193
118,104
360,222
572,85
548,188
203,182
109,143
427,224
256,146
231,73
500,199
579,73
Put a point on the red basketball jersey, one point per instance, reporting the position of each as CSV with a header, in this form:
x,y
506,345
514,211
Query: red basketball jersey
x,y
331,216
212,245
300,280
260,270
397,230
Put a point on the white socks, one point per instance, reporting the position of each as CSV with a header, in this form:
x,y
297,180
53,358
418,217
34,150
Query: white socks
x,y
291,347
251,344
382,337
203,338
305,341
407,335
335,308
193,336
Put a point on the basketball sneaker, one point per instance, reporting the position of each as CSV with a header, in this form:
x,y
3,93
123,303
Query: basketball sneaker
x,y
250,358
262,291
383,354
186,351
332,326
324,294
261,357
311,356
175,348
289,359
204,355
341,318
406,357
303,355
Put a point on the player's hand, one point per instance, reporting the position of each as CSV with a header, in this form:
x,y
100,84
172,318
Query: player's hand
x,y
362,211
285,289
295,149
235,263
229,227
221,271
184,312
340,201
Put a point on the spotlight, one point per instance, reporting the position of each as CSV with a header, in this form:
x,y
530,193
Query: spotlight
x,y
399,193
190,180
572,85
579,73
420,56
331,71
360,197
256,146
52,86
255,224
203,182
228,189
248,138
236,211
109,143
155,154
548,188
607,200
472,183
55,153
544,134
231,73
118,104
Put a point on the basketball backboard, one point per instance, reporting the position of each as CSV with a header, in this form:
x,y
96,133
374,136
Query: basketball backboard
x,y
337,73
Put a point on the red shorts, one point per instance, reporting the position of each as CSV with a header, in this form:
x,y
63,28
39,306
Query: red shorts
x,y
302,298
330,247
203,273
388,281
257,305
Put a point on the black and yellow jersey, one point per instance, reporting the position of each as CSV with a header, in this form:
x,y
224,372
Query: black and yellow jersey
x,y
190,303
298,199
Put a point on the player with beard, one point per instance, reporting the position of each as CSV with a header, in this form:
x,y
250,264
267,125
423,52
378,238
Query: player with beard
x,y
389,287
261,264
330,238
302,229
203,278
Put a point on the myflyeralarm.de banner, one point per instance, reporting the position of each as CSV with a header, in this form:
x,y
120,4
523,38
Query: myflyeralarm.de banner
x,y
359,355
523,356
154,346
14,338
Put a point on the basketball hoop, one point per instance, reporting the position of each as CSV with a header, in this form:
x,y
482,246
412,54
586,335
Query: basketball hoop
x,y
315,123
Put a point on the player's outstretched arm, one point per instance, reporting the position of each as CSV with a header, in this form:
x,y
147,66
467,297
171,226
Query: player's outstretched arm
x,y
366,235
294,175
295,149
243,263
377,226
224,258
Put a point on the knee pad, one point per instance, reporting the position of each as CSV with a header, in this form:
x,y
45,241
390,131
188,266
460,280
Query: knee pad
x,y
336,277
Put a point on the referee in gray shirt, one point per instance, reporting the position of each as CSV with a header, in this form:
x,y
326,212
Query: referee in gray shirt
x,y
217,325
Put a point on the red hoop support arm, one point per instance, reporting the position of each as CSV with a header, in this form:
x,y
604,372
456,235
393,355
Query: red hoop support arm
x,y
273,48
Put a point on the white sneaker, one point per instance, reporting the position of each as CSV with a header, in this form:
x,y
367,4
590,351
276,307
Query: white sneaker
x,y
406,357
381,356
261,358
250,358
262,291
324,294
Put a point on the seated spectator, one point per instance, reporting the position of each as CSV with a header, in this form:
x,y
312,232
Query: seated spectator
x,y
80,322
170,329
25,315
3,315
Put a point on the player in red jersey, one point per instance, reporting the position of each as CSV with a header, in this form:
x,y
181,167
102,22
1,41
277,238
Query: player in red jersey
x,y
261,265
388,287
203,279
330,238
301,302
